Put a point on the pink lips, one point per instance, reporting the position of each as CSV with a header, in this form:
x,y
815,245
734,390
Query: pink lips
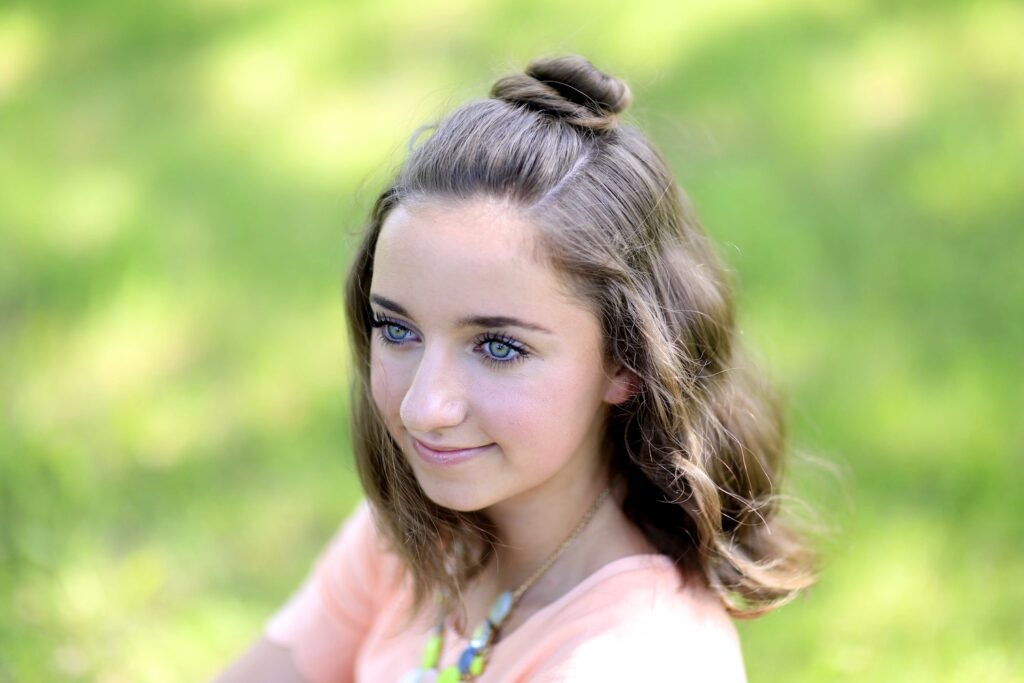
x,y
435,457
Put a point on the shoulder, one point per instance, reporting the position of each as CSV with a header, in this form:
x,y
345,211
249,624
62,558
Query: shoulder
x,y
637,619
358,530
359,550
325,621
353,572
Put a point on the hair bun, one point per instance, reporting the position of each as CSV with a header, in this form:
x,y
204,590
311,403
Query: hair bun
x,y
568,87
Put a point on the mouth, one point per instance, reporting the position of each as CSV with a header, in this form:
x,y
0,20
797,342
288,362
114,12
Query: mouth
x,y
446,457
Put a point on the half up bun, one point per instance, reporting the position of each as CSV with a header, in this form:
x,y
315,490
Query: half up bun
x,y
569,88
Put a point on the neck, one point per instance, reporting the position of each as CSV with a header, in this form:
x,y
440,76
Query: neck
x,y
530,531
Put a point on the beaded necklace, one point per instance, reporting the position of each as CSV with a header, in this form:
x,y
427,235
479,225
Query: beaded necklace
x,y
473,659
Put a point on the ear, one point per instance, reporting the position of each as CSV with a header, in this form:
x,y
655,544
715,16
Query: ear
x,y
624,383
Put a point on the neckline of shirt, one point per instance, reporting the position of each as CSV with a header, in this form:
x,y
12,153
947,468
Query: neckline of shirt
x,y
617,566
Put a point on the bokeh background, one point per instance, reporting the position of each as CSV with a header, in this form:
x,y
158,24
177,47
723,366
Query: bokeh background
x,y
179,187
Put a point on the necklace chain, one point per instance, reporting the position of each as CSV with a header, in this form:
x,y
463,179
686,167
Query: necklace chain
x,y
474,658
525,586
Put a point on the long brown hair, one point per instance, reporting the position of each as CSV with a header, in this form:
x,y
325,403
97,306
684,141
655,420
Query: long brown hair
x,y
700,444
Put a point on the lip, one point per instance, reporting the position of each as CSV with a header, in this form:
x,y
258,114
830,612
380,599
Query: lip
x,y
446,457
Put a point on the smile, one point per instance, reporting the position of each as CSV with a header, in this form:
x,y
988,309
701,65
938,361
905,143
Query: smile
x,y
443,458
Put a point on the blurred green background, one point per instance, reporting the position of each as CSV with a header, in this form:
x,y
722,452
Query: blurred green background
x,y
179,187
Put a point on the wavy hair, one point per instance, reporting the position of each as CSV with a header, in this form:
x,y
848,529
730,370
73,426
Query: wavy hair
x,y
700,444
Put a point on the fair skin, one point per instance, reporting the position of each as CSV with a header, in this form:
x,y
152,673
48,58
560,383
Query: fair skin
x,y
534,395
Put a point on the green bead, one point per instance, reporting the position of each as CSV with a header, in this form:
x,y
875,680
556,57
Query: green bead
x,y
449,675
477,667
431,652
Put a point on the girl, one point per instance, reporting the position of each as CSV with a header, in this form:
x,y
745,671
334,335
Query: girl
x,y
570,471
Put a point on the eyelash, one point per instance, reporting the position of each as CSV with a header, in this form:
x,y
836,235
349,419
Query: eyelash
x,y
381,321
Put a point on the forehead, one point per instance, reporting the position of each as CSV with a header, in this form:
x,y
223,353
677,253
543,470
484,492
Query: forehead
x,y
487,229
455,256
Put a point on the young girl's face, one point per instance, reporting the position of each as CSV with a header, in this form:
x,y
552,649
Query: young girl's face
x,y
477,347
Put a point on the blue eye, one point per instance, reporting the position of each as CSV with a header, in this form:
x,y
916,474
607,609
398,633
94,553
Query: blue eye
x,y
391,332
394,333
498,349
503,349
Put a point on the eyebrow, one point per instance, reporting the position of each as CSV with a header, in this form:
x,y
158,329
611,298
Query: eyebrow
x,y
468,321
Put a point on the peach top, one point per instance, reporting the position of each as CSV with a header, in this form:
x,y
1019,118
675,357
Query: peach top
x,y
631,620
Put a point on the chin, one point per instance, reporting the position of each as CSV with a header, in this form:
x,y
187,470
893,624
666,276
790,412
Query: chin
x,y
455,497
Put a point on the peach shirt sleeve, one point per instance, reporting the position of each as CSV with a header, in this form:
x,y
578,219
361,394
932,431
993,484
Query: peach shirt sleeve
x,y
324,622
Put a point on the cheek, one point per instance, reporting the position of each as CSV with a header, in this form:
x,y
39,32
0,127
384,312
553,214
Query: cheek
x,y
385,386
550,412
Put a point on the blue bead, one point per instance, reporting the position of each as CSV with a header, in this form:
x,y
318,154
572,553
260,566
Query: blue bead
x,y
465,659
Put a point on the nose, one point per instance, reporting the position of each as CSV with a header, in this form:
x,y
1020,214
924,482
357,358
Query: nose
x,y
436,398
